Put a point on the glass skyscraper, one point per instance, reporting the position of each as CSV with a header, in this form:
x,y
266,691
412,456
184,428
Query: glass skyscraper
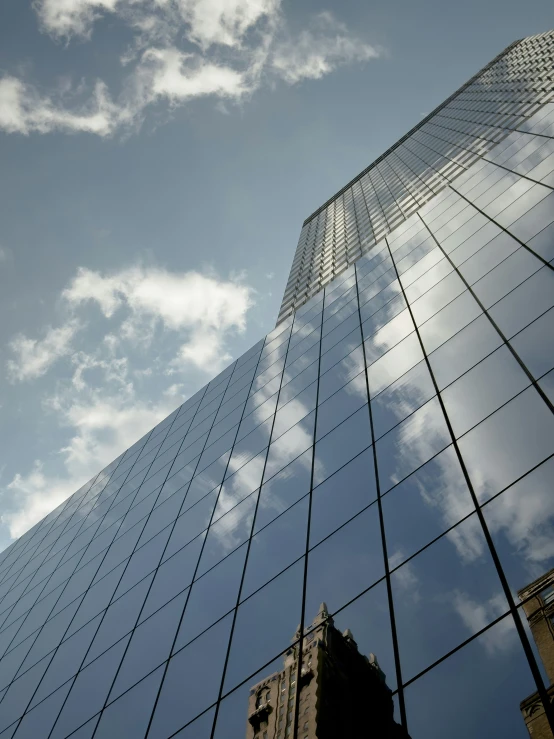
x,y
384,459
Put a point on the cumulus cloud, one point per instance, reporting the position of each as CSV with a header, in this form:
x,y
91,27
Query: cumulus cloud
x,y
111,391
71,17
203,309
101,428
34,357
181,50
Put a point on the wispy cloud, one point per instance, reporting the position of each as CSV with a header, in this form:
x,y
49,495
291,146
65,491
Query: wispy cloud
x,y
476,615
317,52
34,357
181,50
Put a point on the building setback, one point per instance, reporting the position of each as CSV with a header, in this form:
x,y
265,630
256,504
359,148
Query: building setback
x,y
387,449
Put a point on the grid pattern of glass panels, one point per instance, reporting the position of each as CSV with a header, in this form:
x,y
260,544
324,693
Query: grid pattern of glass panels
x,y
498,100
388,450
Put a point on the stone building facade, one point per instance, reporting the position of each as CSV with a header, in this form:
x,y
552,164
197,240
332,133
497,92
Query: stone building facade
x,y
538,604
337,692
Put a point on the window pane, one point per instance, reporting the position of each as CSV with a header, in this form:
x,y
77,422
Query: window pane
x,y
478,689
346,563
428,502
411,444
444,595
508,444
199,667
483,389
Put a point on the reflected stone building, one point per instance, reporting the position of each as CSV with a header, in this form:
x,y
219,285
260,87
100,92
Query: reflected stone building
x,y
387,448
538,604
336,692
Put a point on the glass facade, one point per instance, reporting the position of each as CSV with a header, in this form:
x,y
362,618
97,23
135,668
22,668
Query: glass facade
x,y
496,103
387,449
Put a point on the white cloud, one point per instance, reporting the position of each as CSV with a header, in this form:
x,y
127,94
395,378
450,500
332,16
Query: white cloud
x,y
34,357
172,74
405,577
23,110
224,21
105,401
315,53
71,17
35,495
476,615
102,428
201,308
181,50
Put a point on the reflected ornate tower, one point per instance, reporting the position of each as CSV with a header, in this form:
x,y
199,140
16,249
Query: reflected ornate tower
x,y
342,693
538,605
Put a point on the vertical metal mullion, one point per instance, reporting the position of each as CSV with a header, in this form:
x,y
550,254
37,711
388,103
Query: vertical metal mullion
x,y
248,545
492,549
158,693
306,551
106,702
394,635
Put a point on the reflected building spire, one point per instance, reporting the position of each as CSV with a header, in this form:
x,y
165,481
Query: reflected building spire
x,y
330,691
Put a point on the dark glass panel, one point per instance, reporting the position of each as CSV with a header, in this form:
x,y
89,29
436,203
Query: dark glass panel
x,y
284,489
20,693
119,619
89,691
276,546
150,645
67,660
173,576
40,720
368,619
277,607
128,717
346,563
342,495
227,533
191,523
342,444
200,728
212,596
239,485
476,692
199,667
341,405
444,595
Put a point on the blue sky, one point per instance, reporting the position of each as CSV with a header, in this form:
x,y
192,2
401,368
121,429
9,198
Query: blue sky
x,y
158,159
